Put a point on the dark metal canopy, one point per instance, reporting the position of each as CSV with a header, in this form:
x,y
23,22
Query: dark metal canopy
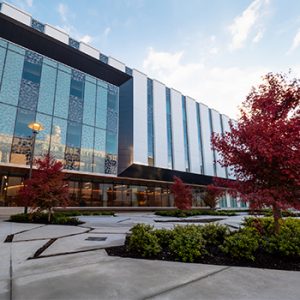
x,y
34,40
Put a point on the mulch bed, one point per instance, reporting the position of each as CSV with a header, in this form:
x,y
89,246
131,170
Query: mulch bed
x,y
262,260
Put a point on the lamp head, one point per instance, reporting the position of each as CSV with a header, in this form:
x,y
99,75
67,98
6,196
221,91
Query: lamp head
x,y
36,127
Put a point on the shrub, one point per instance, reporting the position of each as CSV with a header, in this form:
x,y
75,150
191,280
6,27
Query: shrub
x,y
214,234
143,241
194,212
164,236
286,242
42,218
188,243
242,244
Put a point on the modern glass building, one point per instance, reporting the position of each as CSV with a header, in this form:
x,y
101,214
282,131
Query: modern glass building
x,y
120,135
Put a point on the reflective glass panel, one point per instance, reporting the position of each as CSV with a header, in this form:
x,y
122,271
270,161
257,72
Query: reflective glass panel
x,y
2,59
43,137
89,103
47,89
62,94
58,138
99,151
101,107
11,79
7,123
87,145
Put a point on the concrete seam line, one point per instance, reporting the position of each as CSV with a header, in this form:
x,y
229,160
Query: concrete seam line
x,y
185,284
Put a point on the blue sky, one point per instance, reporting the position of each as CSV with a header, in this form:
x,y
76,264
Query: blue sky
x,y
212,51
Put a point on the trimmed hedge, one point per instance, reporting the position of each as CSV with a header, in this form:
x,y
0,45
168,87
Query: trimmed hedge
x,y
193,212
42,218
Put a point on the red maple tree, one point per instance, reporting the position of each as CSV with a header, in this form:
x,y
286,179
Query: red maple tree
x,y
212,195
262,149
47,188
182,194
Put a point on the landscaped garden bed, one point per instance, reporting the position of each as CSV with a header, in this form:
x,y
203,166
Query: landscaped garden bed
x,y
58,218
255,245
178,213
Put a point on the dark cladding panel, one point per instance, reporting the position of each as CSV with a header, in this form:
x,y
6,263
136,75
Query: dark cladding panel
x,y
159,174
125,150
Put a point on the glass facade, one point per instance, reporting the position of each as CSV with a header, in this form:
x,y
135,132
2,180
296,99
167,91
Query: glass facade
x,y
150,125
185,135
169,129
80,113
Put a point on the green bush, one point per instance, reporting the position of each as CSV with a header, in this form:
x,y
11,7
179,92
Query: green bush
x,y
214,234
285,243
193,212
143,241
71,213
188,243
165,236
242,244
42,218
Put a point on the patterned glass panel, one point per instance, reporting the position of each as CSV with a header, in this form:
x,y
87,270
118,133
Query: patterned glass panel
x,y
112,120
101,110
99,151
75,109
73,43
89,103
62,95
111,164
47,89
58,138
87,145
43,137
72,158
29,93
7,123
11,78
103,58
37,25
2,59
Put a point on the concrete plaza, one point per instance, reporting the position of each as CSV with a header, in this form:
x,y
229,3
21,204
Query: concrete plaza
x,y
76,266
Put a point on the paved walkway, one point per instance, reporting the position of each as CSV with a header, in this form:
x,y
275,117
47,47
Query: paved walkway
x,y
76,266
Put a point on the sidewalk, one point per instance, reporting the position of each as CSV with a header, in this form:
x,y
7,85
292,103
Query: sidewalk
x,y
76,267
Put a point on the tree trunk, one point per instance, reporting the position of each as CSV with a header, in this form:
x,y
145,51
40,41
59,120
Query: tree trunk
x,y
49,214
277,217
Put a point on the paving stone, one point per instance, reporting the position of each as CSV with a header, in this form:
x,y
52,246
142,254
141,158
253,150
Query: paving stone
x,y
80,243
49,231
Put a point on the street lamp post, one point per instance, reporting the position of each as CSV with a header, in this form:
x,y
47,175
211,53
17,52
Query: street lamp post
x,y
36,128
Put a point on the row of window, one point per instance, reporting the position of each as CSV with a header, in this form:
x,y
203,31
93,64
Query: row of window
x,y
79,112
103,194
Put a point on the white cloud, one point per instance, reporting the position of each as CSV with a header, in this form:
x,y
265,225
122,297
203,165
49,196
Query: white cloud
x,y
296,42
86,39
258,36
107,31
218,87
23,4
214,50
66,16
63,12
244,24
